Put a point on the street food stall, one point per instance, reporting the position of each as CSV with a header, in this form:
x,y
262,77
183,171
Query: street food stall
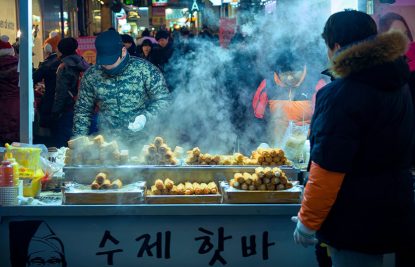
x,y
164,208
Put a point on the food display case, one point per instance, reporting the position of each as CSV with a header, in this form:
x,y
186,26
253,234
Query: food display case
x,y
146,219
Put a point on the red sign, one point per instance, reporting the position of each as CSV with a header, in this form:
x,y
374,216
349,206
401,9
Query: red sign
x,y
86,48
226,31
158,11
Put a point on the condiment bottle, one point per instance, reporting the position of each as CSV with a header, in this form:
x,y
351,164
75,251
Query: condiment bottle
x,y
6,174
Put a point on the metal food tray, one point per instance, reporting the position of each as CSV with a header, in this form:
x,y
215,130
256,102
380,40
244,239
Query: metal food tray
x,y
84,174
79,194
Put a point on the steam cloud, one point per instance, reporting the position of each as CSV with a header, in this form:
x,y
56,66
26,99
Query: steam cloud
x,y
211,83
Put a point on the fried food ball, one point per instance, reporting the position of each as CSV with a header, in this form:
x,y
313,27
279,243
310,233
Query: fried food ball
x,y
168,184
159,184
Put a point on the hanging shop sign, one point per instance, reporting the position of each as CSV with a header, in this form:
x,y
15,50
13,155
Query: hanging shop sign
x,y
86,48
226,30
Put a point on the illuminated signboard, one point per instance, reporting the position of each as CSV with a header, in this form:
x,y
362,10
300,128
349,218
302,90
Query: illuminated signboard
x,y
159,2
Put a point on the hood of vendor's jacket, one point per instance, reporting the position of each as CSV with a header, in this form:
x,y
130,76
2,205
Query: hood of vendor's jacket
x,y
378,61
76,62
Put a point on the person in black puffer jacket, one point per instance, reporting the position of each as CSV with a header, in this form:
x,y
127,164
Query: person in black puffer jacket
x,y
66,92
47,73
359,197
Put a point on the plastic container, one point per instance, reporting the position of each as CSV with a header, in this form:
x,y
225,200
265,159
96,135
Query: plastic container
x,y
32,186
28,159
6,174
8,196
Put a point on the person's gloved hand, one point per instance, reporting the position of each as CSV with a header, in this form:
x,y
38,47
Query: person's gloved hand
x,y
138,124
302,234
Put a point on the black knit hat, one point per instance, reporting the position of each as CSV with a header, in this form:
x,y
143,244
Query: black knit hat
x,y
162,34
67,46
147,42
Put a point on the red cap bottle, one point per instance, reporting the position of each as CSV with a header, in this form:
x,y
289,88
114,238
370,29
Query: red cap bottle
x,y
6,174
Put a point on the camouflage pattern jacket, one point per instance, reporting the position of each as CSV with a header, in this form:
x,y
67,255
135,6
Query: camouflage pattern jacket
x,y
138,89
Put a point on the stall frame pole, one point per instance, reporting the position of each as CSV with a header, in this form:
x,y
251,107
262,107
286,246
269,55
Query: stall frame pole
x,y
25,72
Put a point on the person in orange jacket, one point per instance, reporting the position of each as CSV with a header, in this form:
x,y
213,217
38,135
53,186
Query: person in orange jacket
x,y
286,96
359,198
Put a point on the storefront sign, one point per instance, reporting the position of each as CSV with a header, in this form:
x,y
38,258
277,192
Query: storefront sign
x,y
8,21
152,241
159,2
226,31
86,48
175,14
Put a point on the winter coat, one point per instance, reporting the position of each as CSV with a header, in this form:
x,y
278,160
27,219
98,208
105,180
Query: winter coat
x,y
363,126
140,89
47,73
9,99
151,57
67,79
163,54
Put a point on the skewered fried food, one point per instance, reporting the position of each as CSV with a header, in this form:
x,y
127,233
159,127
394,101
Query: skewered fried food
x,y
213,188
270,187
78,143
95,185
280,187
155,191
117,184
158,141
205,188
106,184
98,140
101,177
174,190
163,148
152,149
198,189
180,189
188,187
262,187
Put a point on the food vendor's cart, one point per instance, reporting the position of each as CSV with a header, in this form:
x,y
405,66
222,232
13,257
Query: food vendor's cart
x,y
155,234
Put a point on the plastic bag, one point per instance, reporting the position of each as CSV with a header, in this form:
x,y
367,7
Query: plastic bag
x,y
293,142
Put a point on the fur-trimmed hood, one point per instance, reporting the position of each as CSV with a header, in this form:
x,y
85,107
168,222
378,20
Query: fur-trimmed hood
x,y
384,48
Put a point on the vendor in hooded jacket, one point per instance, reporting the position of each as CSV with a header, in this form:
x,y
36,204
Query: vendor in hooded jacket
x,y
359,197
286,95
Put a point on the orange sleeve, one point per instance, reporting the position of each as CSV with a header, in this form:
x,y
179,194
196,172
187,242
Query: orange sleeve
x,y
320,194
